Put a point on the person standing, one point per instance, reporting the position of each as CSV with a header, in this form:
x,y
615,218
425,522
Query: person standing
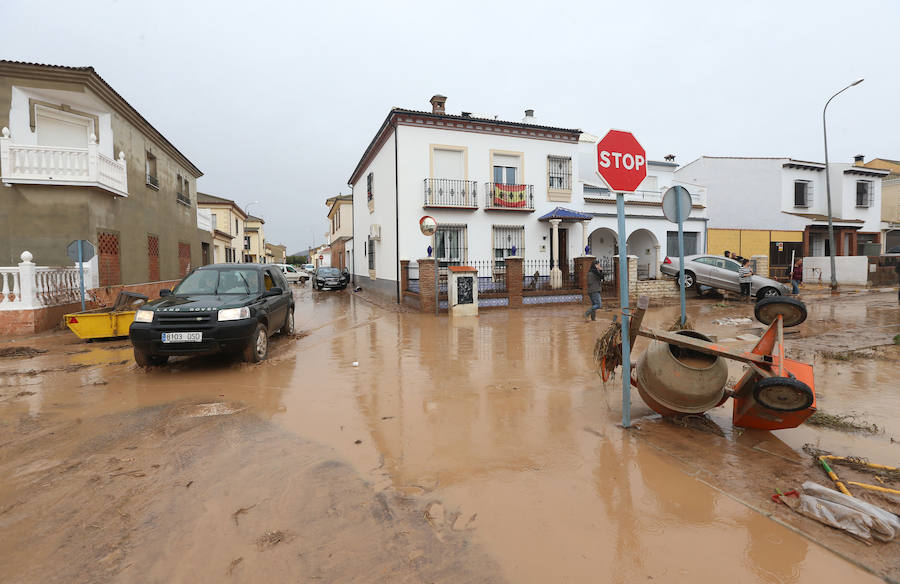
x,y
797,277
594,286
745,277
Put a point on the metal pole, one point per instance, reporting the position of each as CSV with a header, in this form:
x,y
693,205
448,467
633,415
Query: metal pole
x,y
81,270
680,253
623,302
437,296
828,184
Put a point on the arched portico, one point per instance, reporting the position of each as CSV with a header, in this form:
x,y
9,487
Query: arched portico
x,y
643,244
603,242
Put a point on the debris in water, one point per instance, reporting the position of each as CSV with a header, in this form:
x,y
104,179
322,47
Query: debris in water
x,y
240,512
696,422
733,321
677,326
20,352
233,565
846,423
24,393
837,355
357,441
356,363
188,485
270,539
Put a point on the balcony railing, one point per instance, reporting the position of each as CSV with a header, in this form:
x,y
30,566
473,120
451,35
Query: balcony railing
x,y
55,165
500,197
595,194
443,192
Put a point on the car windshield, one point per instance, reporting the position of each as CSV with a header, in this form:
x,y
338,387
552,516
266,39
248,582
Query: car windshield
x,y
329,272
230,281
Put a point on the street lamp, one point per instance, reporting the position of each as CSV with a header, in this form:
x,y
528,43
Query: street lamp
x,y
247,206
828,182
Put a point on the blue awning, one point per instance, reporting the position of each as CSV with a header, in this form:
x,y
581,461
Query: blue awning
x,y
566,215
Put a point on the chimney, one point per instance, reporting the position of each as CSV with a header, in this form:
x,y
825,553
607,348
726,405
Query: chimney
x,y
669,157
859,159
467,114
437,104
529,116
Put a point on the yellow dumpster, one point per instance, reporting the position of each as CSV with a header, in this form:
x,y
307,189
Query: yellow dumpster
x,y
106,323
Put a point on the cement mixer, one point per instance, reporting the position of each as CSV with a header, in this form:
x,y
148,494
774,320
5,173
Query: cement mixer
x,y
685,372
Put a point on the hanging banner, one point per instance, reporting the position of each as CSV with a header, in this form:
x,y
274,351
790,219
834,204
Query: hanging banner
x,y
509,196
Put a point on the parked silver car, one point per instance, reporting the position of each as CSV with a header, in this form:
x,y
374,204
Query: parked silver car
x,y
292,274
722,273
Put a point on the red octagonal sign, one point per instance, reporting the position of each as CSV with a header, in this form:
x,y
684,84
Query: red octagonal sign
x,y
621,161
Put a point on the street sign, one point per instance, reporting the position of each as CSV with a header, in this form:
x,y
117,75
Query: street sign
x,y
87,250
428,225
669,203
676,204
621,161
321,257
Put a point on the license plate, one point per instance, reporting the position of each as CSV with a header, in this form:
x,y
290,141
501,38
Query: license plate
x,y
182,337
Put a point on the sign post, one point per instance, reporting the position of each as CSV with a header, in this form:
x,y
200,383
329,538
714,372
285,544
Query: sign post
x,y
622,162
676,206
80,251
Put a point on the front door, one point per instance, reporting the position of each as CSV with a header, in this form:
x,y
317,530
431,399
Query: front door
x,y
564,254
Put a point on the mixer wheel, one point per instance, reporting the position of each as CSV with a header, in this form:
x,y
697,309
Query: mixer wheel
x,y
792,310
783,394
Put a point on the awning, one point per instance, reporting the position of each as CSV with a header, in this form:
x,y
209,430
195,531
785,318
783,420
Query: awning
x,y
566,215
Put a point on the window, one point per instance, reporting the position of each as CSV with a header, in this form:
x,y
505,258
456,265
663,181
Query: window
x,y
726,264
237,227
370,193
559,173
506,169
150,165
706,261
803,190
246,242
215,224
268,280
183,189
690,243
371,254
508,240
864,193
450,244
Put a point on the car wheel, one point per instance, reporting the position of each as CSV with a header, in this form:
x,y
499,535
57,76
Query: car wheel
x,y
288,328
767,292
145,359
258,347
689,279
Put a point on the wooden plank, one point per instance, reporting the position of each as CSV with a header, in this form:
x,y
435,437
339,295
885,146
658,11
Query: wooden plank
x,y
637,316
703,346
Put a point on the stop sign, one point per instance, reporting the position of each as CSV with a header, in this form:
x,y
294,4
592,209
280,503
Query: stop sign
x,y
621,161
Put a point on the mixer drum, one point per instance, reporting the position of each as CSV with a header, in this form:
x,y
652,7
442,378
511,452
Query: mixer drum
x,y
675,380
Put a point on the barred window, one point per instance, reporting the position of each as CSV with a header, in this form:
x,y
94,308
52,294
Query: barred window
x,y
803,190
371,253
508,240
450,244
370,194
559,173
864,193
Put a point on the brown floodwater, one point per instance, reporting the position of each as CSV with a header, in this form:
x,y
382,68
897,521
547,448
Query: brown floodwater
x,y
393,446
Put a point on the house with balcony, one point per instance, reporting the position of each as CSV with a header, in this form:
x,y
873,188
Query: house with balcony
x,y
254,240
340,229
77,161
778,206
890,199
497,188
228,222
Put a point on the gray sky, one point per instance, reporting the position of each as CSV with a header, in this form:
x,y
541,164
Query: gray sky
x,y
276,101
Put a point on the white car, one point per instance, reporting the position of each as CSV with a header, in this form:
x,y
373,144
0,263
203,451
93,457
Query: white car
x,y
292,274
308,268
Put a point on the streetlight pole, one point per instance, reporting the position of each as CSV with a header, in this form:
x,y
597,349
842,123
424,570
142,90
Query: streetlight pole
x,y
828,183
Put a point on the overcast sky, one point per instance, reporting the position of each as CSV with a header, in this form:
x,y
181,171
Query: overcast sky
x,y
276,101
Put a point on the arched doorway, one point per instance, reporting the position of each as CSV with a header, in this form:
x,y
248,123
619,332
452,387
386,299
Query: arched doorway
x,y
603,242
643,244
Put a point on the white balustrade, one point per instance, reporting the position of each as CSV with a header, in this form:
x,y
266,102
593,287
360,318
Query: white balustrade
x,y
33,164
29,287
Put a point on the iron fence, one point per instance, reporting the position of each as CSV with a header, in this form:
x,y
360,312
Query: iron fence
x,y
442,192
536,274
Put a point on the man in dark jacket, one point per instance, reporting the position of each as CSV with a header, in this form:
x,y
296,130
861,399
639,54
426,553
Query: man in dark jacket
x,y
594,285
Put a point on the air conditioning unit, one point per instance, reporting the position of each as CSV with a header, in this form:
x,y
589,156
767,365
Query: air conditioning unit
x,y
375,231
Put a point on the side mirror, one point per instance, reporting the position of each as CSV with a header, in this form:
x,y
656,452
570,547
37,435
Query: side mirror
x,y
165,292
274,291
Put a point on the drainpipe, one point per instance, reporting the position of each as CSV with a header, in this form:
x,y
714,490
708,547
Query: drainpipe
x,y
397,213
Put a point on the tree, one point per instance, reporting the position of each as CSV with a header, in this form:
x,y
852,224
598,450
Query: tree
x,y
297,259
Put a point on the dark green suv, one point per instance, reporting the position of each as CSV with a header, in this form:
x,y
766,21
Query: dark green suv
x,y
231,308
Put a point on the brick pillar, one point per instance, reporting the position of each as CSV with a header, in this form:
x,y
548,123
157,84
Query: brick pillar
x,y
582,266
632,276
762,265
426,285
404,275
514,281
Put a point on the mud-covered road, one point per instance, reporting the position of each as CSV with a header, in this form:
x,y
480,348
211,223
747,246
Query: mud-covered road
x,y
474,450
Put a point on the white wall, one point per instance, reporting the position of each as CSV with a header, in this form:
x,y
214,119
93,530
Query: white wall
x,y
383,213
850,270
845,206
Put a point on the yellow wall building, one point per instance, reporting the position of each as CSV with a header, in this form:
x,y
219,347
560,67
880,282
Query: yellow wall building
x,y
748,242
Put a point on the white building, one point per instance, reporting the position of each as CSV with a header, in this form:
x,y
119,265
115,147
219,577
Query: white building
x,y
773,206
488,183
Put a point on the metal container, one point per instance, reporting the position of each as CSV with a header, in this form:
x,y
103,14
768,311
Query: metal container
x,y
675,380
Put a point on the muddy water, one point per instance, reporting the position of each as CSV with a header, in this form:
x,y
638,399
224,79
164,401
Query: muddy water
x,y
490,441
